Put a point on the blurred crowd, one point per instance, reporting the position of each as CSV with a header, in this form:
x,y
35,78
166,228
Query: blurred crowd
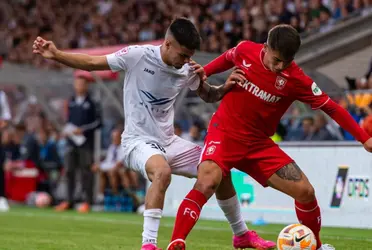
x,y
222,23
60,166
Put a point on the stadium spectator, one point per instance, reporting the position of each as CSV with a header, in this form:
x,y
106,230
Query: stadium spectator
x,y
195,132
92,23
113,169
83,120
50,163
302,133
28,145
9,147
320,130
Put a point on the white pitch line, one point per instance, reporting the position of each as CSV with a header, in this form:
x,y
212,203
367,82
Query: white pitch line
x,y
169,225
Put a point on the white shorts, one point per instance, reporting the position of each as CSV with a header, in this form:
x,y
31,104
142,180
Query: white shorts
x,y
182,156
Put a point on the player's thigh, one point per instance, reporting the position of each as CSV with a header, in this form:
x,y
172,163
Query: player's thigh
x,y
183,157
147,158
263,160
292,181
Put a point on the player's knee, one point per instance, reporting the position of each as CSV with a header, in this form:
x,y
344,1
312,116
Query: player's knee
x,y
162,178
305,194
209,178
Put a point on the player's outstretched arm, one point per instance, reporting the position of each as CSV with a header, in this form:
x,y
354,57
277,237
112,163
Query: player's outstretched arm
x,y
346,121
210,93
48,50
220,64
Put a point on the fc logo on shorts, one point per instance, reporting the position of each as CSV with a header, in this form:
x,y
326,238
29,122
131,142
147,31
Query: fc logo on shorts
x,y
210,150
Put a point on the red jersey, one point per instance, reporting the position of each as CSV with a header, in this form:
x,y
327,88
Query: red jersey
x,y
253,109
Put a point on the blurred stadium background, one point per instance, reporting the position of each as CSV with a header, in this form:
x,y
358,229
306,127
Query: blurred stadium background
x,y
336,53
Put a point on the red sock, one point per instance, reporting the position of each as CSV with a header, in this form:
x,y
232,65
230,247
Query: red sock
x,y
188,214
309,215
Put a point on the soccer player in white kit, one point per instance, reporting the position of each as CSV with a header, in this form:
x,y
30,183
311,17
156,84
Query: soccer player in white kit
x,y
154,76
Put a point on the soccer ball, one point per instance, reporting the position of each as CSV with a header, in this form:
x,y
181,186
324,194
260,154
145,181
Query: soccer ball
x,y
296,237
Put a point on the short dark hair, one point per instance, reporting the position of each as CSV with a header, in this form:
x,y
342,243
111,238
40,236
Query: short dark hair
x,y
185,33
285,39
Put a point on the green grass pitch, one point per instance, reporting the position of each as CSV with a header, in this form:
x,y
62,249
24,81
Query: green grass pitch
x,y
43,229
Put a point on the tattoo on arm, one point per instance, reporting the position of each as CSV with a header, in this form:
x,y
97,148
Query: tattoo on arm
x,y
210,93
291,172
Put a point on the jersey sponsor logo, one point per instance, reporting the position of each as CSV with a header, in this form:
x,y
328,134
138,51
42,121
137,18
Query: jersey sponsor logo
x,y
316,90
121,52
149,71
256,91
155,101
280,82
246,65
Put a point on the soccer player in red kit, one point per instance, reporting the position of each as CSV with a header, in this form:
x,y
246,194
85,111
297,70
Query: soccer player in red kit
x,y
239,132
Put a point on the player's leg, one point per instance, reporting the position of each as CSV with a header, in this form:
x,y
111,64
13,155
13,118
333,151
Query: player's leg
x,y
102,182
243,238
230,205
85,163
133,179
209,180
185,157
209,177
159,173
293,182
113,180
125,176
271,166
71,163
149,160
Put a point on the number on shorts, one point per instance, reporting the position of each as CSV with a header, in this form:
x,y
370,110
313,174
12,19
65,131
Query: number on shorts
x,y
157,146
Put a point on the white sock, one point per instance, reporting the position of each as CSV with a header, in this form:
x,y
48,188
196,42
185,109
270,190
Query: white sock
x,y
151,224
231,208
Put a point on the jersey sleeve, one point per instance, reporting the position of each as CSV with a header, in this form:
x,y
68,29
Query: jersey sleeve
x,y
225,61
193,81
125,59
307,91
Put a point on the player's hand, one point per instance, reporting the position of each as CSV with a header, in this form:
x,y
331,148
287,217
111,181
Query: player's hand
x,y
198,69
236,77
45,48
368,145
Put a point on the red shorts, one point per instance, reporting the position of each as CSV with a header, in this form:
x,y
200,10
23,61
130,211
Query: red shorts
x,y
260,159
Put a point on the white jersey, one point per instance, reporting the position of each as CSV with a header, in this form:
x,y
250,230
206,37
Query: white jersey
x,y
149,92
